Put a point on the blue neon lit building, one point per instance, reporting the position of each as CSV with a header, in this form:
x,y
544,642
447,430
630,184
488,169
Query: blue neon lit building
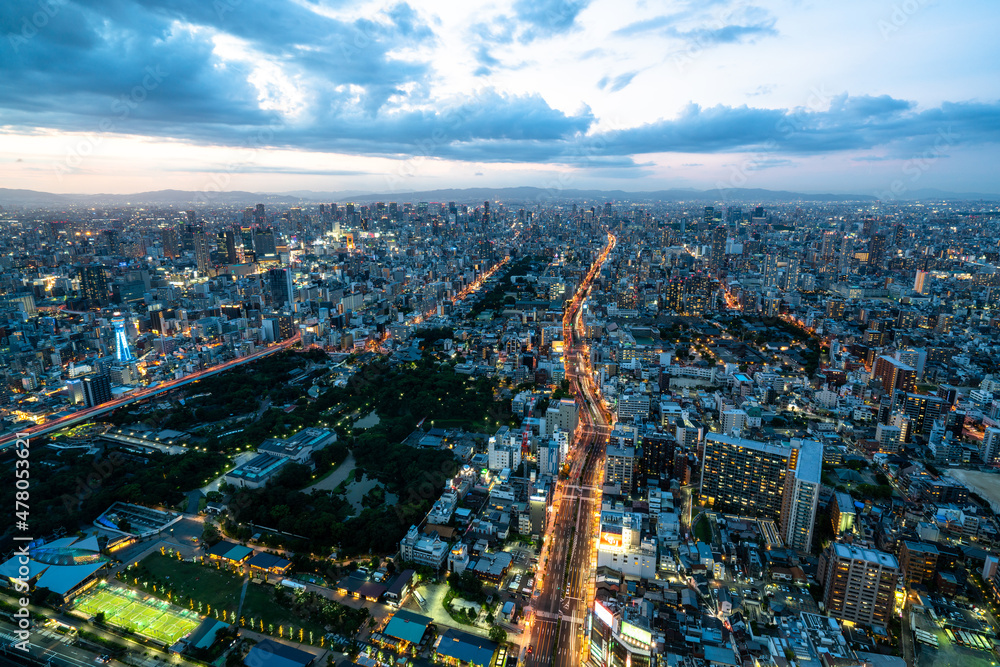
x,y
123,352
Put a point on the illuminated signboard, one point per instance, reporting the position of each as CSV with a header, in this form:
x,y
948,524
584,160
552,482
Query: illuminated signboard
x,y
602,613
637,634
611,540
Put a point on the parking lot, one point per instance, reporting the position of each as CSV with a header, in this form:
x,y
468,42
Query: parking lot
x,y
947,652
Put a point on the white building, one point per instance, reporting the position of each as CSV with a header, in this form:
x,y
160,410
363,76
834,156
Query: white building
x,y
733,421
801,495
989,450
443,509
423,549
619,546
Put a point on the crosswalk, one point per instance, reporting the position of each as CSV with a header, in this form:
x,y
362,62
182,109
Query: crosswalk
x,y
565,618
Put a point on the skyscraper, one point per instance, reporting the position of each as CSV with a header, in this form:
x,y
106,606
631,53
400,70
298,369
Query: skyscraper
x,y
876,251
859,583
231,255
280,281
168,239
744,477
770,270
97,389
801,495
765,480
719,236
265,245
894,374
199,244
94,286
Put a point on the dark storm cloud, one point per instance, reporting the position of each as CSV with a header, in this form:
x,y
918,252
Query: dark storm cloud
x,y
140,68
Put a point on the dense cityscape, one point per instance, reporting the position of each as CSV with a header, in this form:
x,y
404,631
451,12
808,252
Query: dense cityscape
x,y
510,431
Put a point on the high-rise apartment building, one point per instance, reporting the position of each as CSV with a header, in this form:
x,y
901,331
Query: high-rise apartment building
x,y
859,583
619,467
771,270
718,258
894,374
801,495
97,389
989,450
918,562
94,285
744,477
773,481
922,409
199,243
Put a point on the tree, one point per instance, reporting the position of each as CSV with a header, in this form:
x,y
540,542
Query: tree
x,y
498,634
210,534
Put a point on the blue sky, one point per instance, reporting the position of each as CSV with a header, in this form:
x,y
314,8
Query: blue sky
x,y
274,95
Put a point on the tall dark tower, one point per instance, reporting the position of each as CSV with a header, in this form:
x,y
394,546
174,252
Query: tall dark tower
x,y
719,235
94,286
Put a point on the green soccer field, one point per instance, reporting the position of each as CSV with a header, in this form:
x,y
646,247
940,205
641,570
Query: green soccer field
x,y
151,618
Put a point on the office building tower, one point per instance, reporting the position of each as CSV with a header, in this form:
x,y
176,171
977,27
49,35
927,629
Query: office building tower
x,y
859,584
199,244
280,282
868,227
265,245
921,283
562,416
876,250
548,458
656,460
229,238
96,389
719,236
168,239
94,286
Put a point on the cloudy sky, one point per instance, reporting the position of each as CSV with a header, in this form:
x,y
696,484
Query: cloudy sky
x,y
273,95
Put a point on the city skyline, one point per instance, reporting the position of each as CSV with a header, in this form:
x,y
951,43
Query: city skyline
x,y
879,99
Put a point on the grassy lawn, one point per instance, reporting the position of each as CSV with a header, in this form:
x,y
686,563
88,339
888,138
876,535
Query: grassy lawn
x,y
260,603
185,581
702,529
219,588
